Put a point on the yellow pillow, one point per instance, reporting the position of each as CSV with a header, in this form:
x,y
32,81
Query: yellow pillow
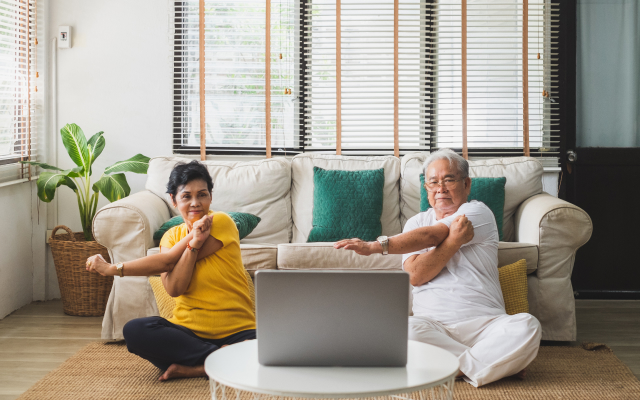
x,y
166,303
513,282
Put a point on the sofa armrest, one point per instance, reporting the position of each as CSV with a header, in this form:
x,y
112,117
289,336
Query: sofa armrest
x,y
126,229
559,229
126,226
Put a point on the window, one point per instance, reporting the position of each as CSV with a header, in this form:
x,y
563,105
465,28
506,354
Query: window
x,y
17,87
367,76
494,76
234,76
429,83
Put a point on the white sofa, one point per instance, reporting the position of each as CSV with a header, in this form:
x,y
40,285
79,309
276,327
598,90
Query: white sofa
x,y
543,229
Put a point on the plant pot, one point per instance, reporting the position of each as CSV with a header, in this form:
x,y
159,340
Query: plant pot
x,y
83,293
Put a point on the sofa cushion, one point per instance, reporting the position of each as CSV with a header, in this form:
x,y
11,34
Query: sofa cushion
x,y
346,204
511,252
256,187
254,256
524,179
322,255
302,188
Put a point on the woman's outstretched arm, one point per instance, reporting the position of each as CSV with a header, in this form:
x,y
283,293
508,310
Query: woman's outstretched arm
x,y
166,260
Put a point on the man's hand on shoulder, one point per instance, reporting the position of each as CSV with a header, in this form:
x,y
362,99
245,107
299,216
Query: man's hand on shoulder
x,y
359,246
461,230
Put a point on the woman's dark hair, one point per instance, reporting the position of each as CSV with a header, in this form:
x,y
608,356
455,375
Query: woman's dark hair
x,y
184,173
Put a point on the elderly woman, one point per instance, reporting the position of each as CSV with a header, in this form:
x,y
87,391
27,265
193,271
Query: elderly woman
x,y
202,268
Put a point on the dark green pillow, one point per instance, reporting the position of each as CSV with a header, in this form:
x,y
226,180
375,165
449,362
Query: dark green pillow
x,y
245,223
346,204
490,191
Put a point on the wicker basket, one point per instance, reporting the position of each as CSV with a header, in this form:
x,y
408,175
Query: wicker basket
x,y
83,293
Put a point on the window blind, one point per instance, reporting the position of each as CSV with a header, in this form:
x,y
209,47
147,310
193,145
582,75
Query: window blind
x,y
235,67
366,75
18,56
376,82
495,77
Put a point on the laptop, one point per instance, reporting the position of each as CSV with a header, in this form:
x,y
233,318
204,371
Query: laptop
x,y
332,318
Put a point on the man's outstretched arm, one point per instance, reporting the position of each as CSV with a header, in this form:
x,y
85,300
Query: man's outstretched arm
x,y
407,242
422,268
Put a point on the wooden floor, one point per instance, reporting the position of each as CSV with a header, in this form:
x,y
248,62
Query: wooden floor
x,y
37,338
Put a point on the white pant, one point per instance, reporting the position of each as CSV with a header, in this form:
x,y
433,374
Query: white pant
x,y
488,348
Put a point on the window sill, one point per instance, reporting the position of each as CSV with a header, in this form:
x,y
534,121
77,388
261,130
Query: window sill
x,y
17,181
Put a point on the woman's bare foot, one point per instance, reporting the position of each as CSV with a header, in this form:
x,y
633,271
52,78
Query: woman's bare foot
x,y
182,371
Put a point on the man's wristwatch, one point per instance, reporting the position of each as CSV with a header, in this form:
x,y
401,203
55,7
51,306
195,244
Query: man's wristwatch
x,y
384,242
120,268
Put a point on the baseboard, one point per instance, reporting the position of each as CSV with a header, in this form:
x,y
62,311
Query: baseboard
x,y
607,294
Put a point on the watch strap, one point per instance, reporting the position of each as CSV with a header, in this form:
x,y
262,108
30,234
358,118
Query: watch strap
x,y
120,268
384,242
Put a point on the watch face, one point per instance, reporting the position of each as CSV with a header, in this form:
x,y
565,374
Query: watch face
x,y
381,238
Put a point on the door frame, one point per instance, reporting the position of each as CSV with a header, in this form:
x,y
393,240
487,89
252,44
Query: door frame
x,y
567,44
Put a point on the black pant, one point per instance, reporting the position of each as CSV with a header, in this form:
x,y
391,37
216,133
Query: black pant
x,y
163,343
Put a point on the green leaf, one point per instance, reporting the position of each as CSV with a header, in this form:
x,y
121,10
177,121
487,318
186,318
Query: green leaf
x,y
76,172
76,144
97,143
48,182
138,164
113,187
42,165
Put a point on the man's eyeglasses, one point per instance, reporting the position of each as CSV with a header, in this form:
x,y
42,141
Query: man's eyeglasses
x,y
447,184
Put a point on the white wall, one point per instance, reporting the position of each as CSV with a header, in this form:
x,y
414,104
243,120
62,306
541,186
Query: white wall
x,y
21,245
116,78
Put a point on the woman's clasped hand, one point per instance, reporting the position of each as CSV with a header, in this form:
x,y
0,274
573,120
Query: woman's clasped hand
x,y
202,229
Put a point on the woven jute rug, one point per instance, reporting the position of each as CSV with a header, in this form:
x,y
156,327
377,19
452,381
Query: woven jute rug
x,y
108,371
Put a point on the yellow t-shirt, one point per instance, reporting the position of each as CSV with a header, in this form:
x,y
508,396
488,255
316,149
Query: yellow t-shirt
x,y
216,304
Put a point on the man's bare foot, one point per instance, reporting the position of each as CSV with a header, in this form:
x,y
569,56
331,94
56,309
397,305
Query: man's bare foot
x,y
522,374
182,371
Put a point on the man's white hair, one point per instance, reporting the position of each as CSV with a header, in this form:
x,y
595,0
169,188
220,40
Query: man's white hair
x,y
448,154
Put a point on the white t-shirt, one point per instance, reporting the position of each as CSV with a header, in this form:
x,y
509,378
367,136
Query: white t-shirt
x,y
468,286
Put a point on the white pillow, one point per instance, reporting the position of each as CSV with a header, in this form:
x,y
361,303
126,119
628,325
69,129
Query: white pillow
x,y
256,187
524,179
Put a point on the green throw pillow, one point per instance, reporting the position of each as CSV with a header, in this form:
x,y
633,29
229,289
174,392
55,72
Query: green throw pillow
x,y
245,223
490,191
346,204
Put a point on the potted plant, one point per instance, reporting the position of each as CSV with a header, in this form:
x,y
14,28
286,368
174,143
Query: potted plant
x,y
84,293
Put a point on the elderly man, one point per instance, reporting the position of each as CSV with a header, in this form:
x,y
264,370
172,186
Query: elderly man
x,y
451,254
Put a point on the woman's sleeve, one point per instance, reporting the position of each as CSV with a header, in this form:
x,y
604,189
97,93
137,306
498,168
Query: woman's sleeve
x,y
168,239
224,229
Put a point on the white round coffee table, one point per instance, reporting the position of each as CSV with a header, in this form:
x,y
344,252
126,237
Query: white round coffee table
x,y
235,374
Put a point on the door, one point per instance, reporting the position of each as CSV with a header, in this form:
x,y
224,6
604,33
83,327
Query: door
x,y
602,160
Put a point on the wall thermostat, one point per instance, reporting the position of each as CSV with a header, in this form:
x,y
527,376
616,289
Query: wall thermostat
x,y
64,37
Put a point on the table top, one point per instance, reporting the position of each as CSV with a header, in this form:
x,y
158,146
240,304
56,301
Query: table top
x,y
237,366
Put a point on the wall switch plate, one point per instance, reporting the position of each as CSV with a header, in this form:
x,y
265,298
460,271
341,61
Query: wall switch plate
x,y
64,37
49,232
